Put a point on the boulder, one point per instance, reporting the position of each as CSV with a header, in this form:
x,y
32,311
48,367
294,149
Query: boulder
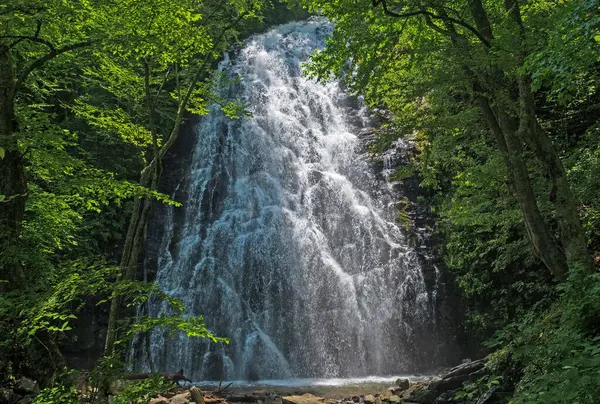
x,y
404,384
159,400
183,398
369,398
7,396
424,396
303,399
451,380
26,400
465,368
26,386
394,399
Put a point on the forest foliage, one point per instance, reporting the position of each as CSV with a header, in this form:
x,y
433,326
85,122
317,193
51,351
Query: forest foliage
x,y
92,96
500,99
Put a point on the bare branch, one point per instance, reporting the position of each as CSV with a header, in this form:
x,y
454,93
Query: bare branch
x,y
34,38
431,15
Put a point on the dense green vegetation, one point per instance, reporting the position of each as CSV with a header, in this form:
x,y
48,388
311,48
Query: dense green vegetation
x,y
92,96
501,99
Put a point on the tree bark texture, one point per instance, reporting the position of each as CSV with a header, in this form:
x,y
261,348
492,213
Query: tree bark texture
x,y
13,185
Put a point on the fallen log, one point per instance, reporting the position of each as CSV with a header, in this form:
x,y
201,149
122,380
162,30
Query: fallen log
x,y
174,377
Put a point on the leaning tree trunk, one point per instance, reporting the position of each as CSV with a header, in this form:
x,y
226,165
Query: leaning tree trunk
x,y
133,244
134,239
572,237
525,129
542,241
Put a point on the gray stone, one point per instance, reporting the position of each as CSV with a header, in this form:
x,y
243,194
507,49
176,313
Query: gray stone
x,y
488,395
26,400
7,396
444,398
26,386
404,384
465,368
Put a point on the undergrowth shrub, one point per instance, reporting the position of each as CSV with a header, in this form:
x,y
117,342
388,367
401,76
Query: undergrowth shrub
x,y
554,355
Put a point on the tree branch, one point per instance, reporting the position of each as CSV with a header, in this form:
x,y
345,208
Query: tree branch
x,y
46,58
34,38
429,14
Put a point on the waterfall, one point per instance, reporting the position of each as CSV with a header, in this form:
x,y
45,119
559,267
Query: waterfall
x,y
289,244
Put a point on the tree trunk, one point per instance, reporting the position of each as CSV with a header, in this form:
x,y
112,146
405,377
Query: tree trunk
x,y
539,234
572,236
13,186
571,232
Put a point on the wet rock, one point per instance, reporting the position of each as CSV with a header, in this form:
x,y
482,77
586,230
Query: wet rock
x,y
26,386
487,396
444,398
411,390
404,384
465,368
424,396
451,380
303,399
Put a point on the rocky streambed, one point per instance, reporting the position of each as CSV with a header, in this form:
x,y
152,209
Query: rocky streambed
x,y
416,390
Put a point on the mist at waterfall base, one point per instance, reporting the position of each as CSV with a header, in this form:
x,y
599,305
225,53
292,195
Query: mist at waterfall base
x,y
287,241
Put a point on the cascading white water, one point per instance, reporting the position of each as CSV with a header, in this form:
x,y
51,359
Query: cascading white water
x,y
289,244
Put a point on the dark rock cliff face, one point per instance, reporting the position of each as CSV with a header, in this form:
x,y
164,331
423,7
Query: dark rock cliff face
x,y
449,342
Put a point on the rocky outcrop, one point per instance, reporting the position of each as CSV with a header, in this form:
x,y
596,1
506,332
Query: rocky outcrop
x,y
439,390
25,386
394,169
21,391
